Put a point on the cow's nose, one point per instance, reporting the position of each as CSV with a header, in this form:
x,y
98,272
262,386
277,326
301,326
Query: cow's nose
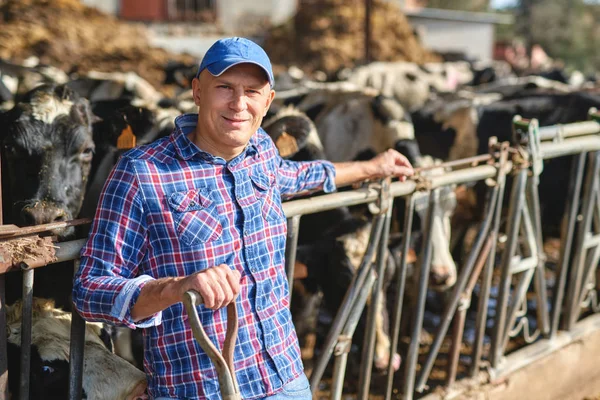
x,y
42,214
441,277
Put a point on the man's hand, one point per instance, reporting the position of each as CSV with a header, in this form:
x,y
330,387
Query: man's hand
x,y
391,163
218,286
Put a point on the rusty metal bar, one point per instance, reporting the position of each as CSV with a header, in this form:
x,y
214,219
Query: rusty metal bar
x,y
459,287
13,231
458,326
26,331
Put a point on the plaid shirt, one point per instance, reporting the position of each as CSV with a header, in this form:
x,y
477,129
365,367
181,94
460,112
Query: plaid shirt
x,y
170,209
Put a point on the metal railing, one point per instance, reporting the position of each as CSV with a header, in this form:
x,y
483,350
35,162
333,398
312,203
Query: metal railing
x,y
521,269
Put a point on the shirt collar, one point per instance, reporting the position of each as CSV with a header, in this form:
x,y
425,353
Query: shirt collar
x,y
186,149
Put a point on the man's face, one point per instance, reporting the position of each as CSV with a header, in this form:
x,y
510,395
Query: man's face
x,y
231,108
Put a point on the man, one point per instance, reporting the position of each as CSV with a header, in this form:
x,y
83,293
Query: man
x,y
202,210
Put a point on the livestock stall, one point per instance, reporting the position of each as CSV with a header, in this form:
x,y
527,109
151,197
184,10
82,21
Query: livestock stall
x,y
505,267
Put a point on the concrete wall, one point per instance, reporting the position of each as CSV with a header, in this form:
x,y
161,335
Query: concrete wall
x,y
474,39
107,6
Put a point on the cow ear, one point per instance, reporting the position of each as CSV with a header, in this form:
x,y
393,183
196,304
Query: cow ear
x,y
82,112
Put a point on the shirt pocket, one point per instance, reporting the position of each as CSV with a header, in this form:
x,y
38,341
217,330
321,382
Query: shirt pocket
x,y
265,190
195,215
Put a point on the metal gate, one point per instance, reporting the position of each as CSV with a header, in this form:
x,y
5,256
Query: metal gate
x,y
520,271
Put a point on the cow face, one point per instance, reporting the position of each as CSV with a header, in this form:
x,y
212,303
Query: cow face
x,y
443,268
105,376
46,149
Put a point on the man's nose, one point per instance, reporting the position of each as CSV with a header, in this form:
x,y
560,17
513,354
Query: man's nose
x,y
238,102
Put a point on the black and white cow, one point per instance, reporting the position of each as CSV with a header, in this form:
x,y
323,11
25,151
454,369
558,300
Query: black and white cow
x,y
106,376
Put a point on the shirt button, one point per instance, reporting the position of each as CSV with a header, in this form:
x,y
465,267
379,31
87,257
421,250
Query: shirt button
x,y
258,308
193,204
253,270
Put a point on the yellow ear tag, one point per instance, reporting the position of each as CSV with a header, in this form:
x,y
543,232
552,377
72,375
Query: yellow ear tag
x,y
127,139
286,144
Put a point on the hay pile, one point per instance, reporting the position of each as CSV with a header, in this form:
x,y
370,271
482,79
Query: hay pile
x,y
327,35
72,36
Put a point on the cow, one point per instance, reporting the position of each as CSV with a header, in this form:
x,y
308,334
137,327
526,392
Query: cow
x,y
56,155
330,243
409,83
549,108
47,149
105,376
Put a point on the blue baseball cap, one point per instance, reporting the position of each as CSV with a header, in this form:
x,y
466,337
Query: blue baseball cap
x,y
225,53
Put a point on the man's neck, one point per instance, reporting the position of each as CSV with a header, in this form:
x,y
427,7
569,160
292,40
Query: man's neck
x,y
208,147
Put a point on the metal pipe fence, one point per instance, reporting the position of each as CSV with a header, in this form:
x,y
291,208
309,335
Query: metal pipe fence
x,y
519,275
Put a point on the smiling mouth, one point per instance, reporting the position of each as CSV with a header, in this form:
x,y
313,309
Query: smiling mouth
x,y
237,121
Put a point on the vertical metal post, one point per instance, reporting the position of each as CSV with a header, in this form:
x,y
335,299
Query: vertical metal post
x,y
342,348
423,279
293,226
486,280
3,341
3,336
459,287
406,231
566,241
347,303
543,314
76,352
368,8
458,327
512,230
369,343
26,330
575,284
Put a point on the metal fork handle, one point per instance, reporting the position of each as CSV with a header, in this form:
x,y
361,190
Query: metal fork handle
x,y
223,362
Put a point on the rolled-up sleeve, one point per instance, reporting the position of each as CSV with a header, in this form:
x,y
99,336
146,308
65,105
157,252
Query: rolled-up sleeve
x,y
107,283
297,178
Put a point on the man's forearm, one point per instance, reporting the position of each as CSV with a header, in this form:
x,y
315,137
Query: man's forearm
x,y
156,296
350,172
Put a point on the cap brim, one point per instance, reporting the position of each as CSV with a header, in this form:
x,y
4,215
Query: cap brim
x,y
219,67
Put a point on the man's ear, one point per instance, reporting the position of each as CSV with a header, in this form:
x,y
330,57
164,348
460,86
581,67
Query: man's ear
x,y
269,101
196,90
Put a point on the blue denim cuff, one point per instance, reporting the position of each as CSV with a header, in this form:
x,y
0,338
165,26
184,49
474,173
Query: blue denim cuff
x,y
121,309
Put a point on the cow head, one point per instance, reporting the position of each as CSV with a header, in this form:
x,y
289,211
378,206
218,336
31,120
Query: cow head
x,y
443,272
47,149
294,135
105,376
